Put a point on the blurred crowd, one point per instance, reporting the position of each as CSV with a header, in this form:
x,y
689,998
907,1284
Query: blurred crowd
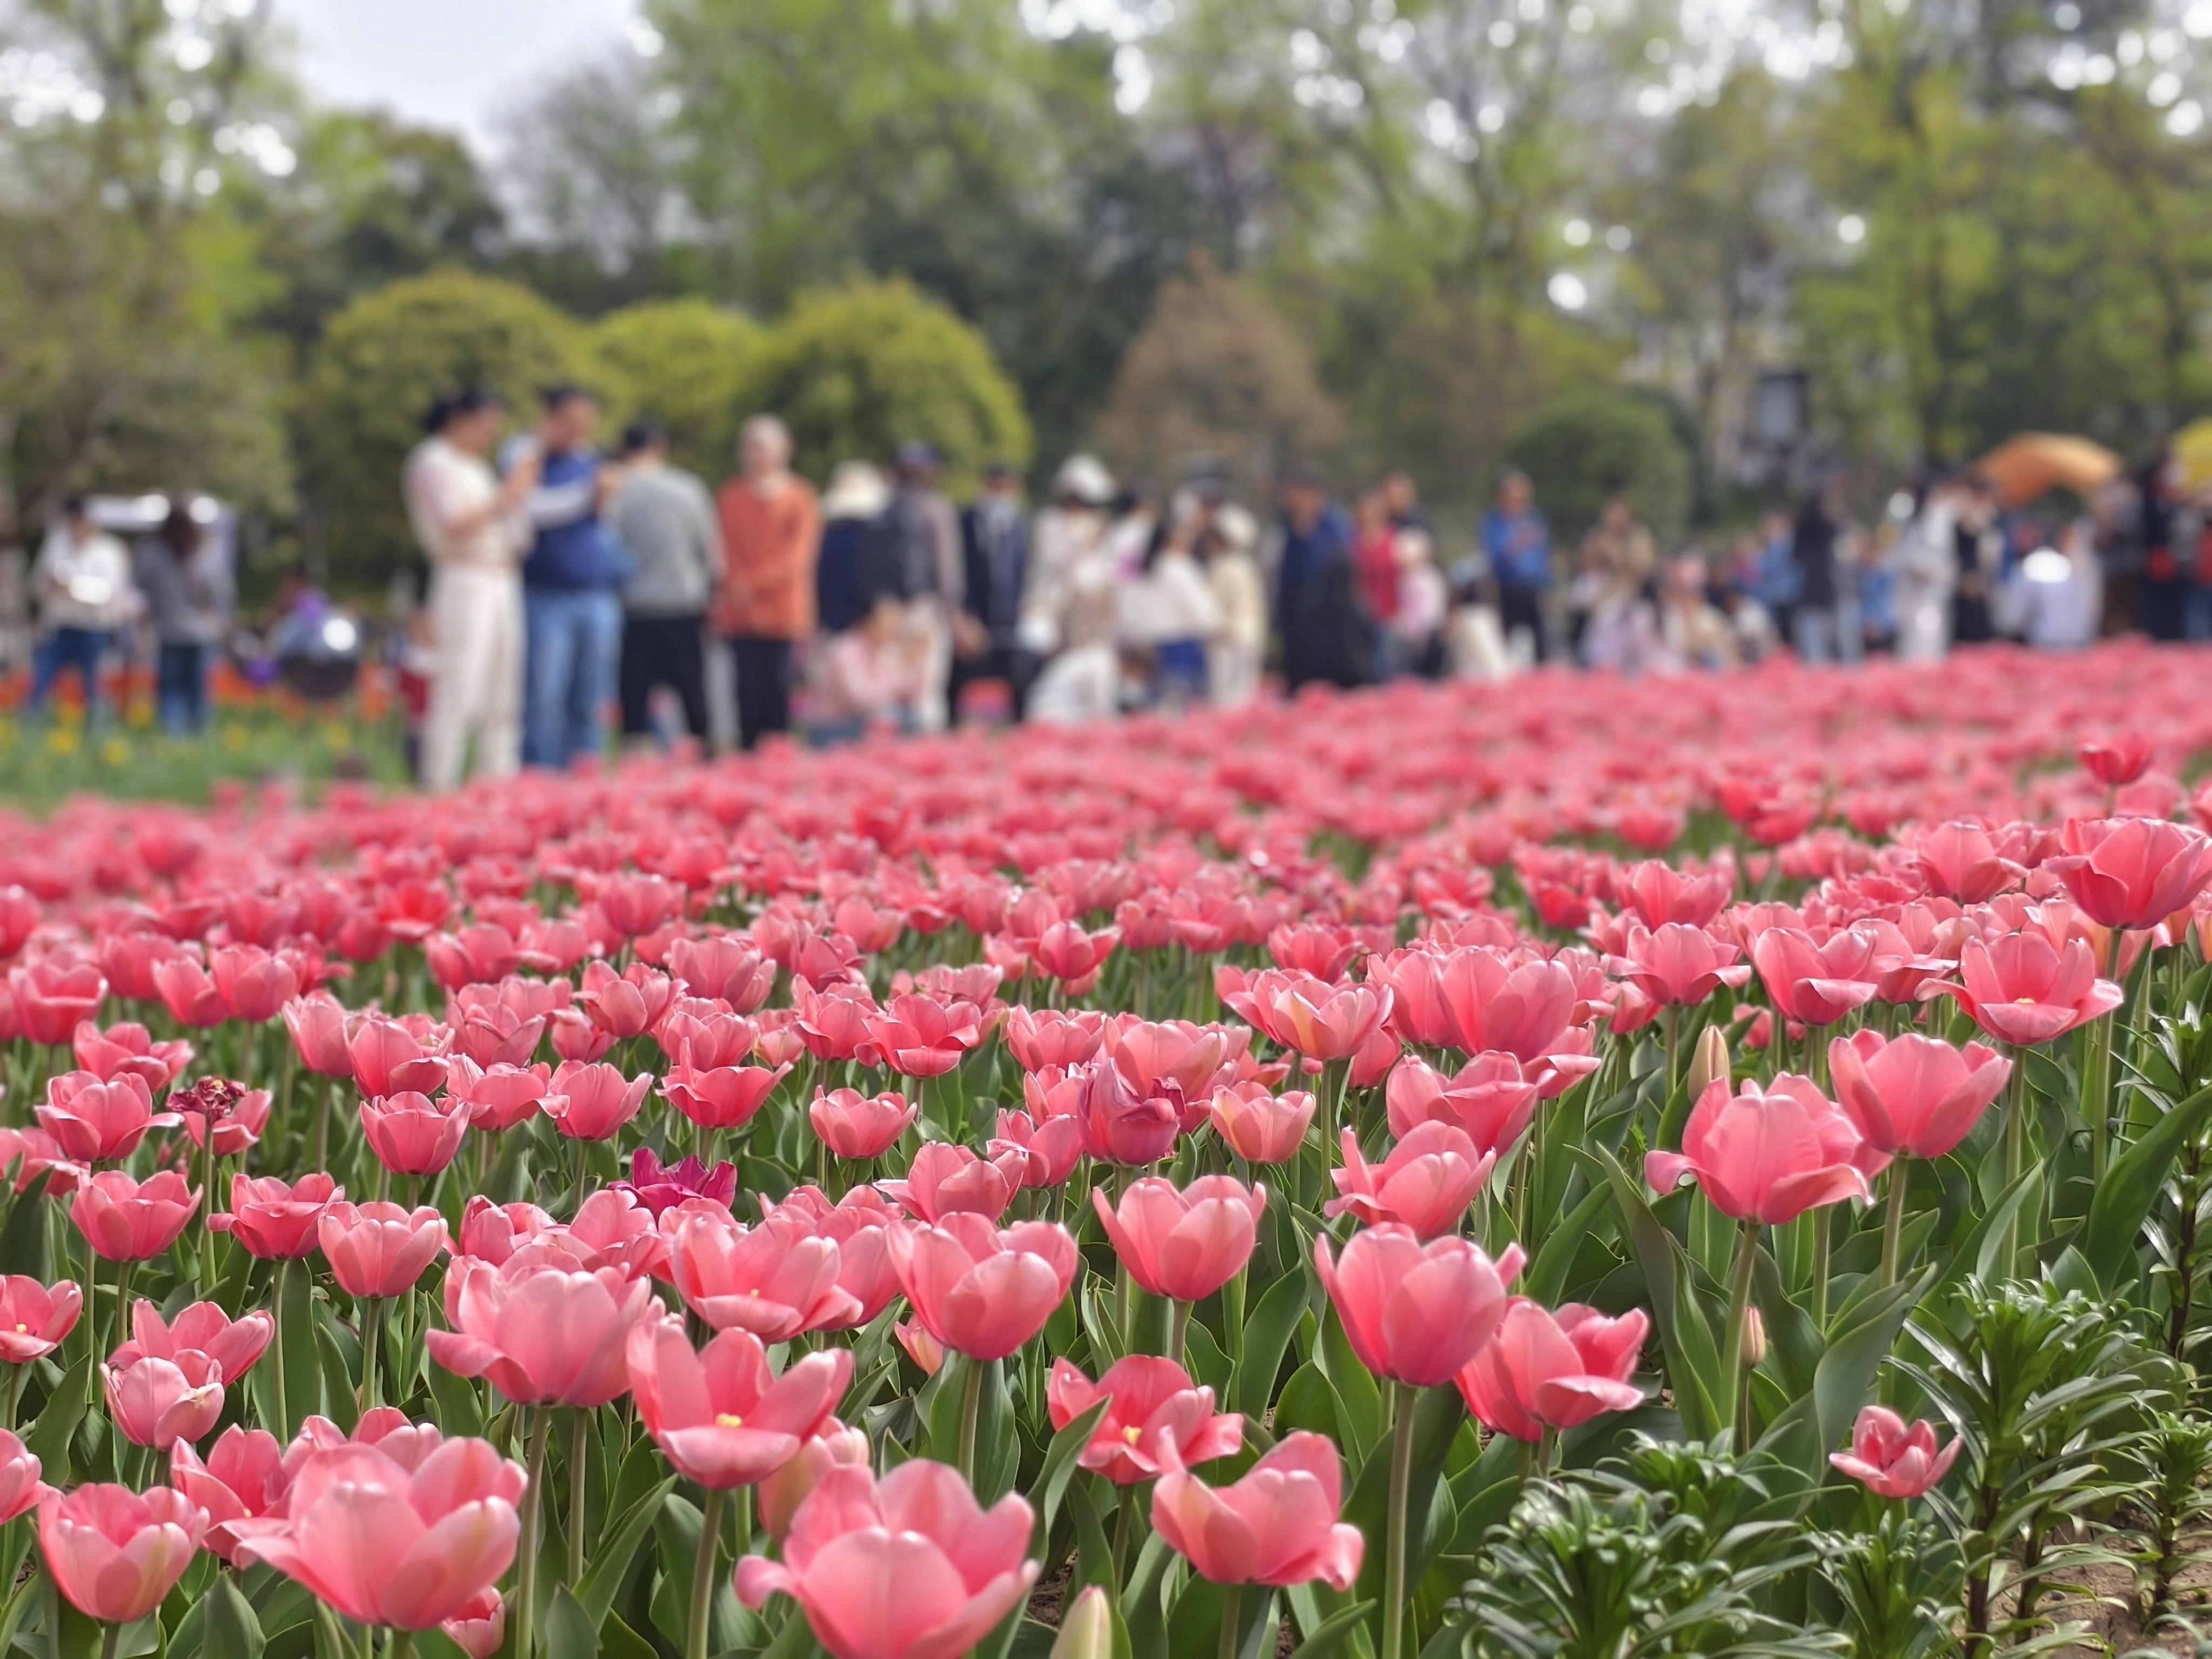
x,y
564,582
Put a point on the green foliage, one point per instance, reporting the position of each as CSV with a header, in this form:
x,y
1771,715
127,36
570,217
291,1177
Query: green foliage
x,y
683,361
1582,451
382,361
1898,1585
858,370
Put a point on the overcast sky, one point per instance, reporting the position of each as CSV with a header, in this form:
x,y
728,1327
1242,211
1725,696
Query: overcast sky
x,y
454,63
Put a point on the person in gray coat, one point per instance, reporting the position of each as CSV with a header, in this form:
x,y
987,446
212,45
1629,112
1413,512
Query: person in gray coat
x,y
665,516
190,599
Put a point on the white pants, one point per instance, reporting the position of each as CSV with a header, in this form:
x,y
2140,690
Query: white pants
x,y
475,688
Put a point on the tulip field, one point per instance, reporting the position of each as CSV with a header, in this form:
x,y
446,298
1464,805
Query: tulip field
x,y
1586,1168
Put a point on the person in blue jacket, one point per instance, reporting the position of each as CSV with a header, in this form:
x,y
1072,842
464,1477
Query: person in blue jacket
x,y
571,586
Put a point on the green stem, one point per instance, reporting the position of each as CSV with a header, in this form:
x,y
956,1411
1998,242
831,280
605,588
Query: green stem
x,y
1178,1328
1820,1297
107,1641
206,1234
277,1341
1232,1619
1746,1252
371,1338
971,1404
579,1446
1893,1231
583,1168
703,1576
2099,1104
1402,1474
323,1124
1232,1313
526,1588
2016,1140
403,1645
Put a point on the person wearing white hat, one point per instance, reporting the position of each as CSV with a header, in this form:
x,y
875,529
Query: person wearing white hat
x,y
1069,612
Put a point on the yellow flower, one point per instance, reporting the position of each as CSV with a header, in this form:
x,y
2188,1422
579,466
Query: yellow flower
x,y
233,738
115,751
61,739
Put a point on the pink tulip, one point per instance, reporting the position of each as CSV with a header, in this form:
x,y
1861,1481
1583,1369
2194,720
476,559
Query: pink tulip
x,y
1893,1460
2021,988
908,1567
1555,1371
387,1060
861,1223
981,1292
275,1221
233,1113
33,1155
1156,1418
1306,1015
54,995
413,1134
1414,1313
498,1097
1914,1096
115,1553
2131,873
1048,1151
34,1319
1120,1125
243,1478
1678,965
1963,861
384,1544
1260,1127
776,1281
379,1250
479,1629
721,1417
1660,894
96,1122
946,1179
789,1485
625,1004
158,1402
543,1335
1492,1098
1183,1245
1767,1154
254,984
236,1344
593,1103
919,1036
21,1489
1277,1526
127,1050
724,1098
856,1126
1042,1037
127,1220
660,1189
318,1025
1817,982
730,968
1427,1181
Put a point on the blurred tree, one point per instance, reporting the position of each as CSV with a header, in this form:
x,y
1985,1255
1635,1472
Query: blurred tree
x,y
857,369
1584,450
380,364
1218,378
685,362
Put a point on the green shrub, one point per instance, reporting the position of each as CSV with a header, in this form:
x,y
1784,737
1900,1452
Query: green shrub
x,y
1584,449
381,362
858,370
684,363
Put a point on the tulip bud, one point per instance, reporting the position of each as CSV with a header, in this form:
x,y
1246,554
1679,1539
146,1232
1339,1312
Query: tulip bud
x,y
1086,1631
1754,1339
1709,1064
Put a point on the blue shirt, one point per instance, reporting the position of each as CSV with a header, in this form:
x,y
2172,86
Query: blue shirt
x,y
1520,548
1780,579
573,551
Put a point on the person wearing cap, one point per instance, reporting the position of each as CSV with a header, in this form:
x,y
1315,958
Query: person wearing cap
x,y
83,579
1069,607
995,544
664,515
1328,633
474,529
933,575
771,536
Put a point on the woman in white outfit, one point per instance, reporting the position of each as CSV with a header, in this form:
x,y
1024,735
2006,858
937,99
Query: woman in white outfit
x,y
1070,611
1927,572
475,529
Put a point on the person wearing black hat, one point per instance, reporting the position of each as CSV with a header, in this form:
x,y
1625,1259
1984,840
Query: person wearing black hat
x,y
994,543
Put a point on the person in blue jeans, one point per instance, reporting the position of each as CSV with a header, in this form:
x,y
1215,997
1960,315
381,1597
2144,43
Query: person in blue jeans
x,y
571,588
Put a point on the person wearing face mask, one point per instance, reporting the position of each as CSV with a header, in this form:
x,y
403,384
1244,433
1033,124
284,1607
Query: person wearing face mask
x,y
474,528
82,582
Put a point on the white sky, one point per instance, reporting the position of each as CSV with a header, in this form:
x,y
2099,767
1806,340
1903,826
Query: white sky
x,y
453,63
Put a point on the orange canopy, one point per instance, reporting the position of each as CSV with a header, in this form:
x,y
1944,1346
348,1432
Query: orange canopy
x,y
2030,464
